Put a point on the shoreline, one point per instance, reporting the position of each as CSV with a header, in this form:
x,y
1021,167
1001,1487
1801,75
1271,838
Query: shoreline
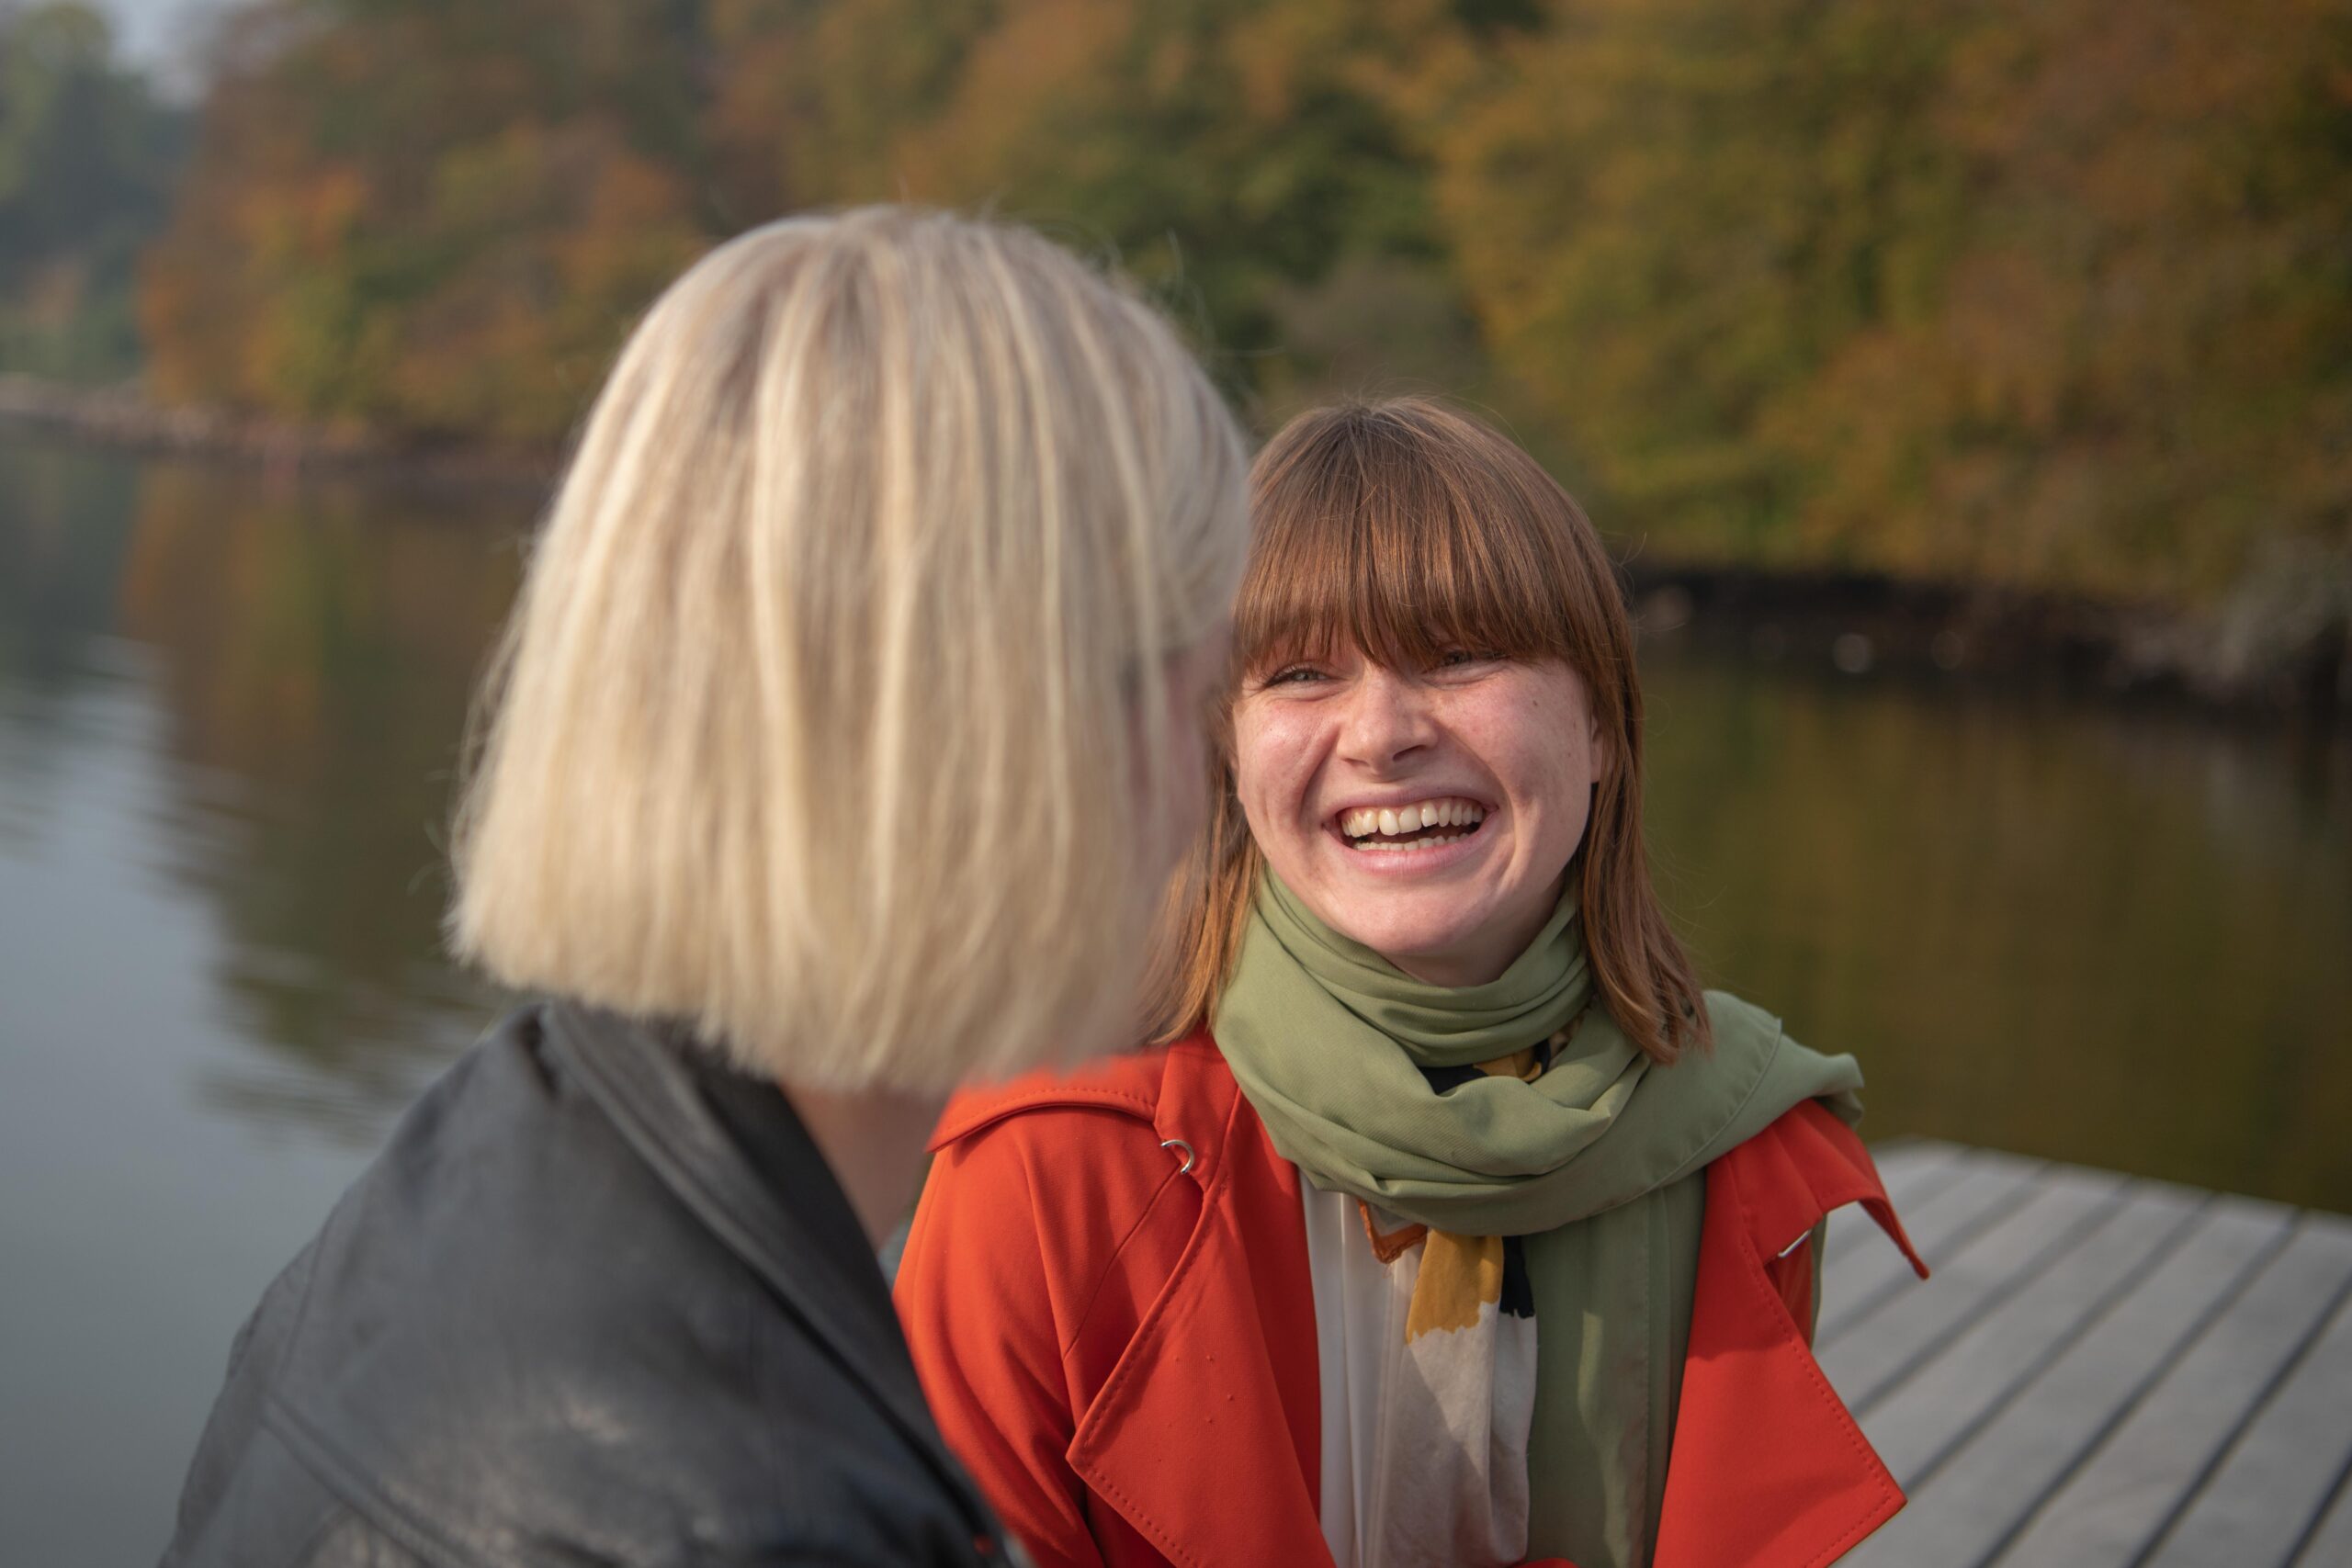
x,y
2278,651
122,417
2253,658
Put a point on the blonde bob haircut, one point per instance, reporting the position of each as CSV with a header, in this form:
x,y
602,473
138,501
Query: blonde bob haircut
x,y
829,722
1407,530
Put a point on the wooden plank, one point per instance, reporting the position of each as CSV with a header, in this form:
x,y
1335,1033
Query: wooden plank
x,y
1985,1492
1992,1358
2267,1493
1860,1264
1914,1169
1861,1272
1868,1359
2122,1499
2331,1543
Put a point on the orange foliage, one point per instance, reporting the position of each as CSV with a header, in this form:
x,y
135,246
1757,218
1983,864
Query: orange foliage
x,y
2049,291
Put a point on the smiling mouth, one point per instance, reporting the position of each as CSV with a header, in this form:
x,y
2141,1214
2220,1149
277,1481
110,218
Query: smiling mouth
x,y
1391,830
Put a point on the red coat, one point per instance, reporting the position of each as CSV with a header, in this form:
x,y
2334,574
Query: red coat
x,y
1122,1350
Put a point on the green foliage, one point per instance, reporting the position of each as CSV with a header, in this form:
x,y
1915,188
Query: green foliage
x,y
86,158
2057,293
429,217
443,218
2044,291
1224,151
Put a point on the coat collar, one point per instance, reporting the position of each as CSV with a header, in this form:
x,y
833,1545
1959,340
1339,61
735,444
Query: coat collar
x,y
1176,1440
649,1096
1769,1467
1179,1437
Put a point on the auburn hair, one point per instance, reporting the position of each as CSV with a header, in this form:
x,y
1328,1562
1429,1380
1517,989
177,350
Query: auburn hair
x,y
1406,529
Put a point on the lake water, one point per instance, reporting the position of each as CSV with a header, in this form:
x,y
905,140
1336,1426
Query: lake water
x,y
228,712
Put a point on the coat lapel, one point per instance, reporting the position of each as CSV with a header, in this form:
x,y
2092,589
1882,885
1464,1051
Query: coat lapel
x,y
1768,1468
1177,1440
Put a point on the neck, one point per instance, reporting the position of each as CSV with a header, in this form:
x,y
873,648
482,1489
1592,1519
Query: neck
x,y
1483,960
873,1141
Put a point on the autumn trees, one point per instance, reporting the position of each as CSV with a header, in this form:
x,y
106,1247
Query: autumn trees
x,y
430,217
2051,291
86,160
2042,291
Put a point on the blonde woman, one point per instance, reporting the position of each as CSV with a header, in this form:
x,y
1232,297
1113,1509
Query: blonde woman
x,y
841,737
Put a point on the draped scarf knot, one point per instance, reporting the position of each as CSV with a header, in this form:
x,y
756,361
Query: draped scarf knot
x,y
1346,1060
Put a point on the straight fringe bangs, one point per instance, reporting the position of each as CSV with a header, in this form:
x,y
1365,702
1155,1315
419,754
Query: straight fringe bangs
x,y
1407,530
816,726
1362,539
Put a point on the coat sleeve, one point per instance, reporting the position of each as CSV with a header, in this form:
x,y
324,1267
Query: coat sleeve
x,y
977,1301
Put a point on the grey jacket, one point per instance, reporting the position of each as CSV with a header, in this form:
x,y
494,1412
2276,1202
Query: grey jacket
x,y
600,1301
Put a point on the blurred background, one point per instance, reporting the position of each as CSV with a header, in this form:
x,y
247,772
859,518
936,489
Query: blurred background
x,y
1968,388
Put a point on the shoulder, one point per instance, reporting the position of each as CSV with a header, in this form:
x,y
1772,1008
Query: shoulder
x,y
1056,1183
1105,1118
1763,1075
1739,1020
1114,1110
510,1330
1129,1085
1120,1120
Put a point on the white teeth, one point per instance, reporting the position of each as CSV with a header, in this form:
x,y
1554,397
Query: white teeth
x,y
1361,824
1377,847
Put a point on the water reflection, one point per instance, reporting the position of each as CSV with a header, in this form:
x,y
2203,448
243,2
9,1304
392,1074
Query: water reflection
x,y
2116,939
228,716
2107,937
309,651
62,529
320,648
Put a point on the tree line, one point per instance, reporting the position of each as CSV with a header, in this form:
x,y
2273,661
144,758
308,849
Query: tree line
x,y
87,157
2052,293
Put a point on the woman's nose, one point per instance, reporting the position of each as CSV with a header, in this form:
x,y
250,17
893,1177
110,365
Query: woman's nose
x,y
1385,720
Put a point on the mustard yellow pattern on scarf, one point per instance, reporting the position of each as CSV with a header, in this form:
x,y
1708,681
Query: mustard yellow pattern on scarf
x,y
1462,1275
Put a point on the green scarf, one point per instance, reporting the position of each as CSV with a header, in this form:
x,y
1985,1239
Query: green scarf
x,y
1592,1162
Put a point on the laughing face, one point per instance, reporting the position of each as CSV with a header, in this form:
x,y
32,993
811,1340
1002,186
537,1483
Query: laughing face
x,y
1430,813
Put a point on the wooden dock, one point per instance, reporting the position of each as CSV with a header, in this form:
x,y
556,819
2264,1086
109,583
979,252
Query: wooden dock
x,y
2104,1371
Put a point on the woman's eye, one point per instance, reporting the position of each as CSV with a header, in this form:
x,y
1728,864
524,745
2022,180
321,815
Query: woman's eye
x,y
1294,675
1454,657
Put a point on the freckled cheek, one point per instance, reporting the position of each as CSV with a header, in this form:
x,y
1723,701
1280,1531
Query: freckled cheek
x,y
1537,773
1274,768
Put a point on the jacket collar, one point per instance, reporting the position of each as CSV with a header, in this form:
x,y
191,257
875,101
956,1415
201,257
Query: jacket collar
x,y
1769,1467
1224,1360
647,1094
1176,1440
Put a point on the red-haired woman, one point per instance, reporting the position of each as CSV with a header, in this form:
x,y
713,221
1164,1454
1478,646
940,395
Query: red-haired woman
x,y
1456,1226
